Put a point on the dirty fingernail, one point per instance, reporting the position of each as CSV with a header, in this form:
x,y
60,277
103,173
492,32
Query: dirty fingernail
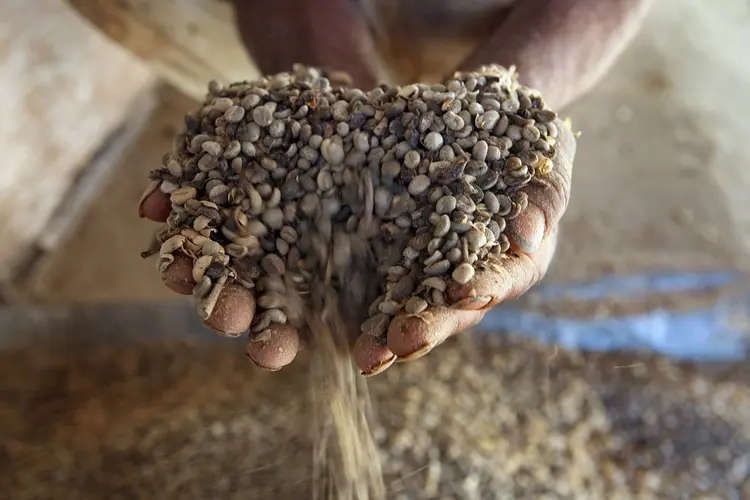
x,y
418,353
372,355
472,303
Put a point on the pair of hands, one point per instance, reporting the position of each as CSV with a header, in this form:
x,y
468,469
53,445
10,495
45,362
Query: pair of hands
x,y
554,56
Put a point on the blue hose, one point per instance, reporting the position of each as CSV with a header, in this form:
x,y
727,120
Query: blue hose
x,y
720,332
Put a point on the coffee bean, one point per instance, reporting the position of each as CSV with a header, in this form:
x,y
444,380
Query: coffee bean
x,y
442,226
433,141
415,305
488,120
262,116
453,121
434,282
412,159
419,185
223,104
463,273
390,307
491,202
403,288
438,268
273,218
332,152
234,114
446,205
213,148
480,150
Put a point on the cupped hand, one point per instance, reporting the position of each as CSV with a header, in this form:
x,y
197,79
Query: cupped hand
x,y
289,32
533,237
328,34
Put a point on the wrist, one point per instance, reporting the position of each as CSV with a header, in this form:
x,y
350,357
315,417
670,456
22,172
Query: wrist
x,y
563,47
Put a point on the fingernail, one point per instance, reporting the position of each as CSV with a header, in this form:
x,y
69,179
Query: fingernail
x,y
419,352
527,230
472,303
457,292
155,206
378,369
372,355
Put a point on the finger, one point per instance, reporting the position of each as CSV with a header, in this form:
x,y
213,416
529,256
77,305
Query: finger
x,y
179,275
372,355
155,206
232,316
411,336
504,278
548,196
235,307
233,313
274,348
320,33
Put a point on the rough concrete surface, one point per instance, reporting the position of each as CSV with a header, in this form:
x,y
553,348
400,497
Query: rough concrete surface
x,y
660,172
64,88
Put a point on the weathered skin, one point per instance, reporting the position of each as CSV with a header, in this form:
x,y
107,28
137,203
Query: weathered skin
x,y
560,47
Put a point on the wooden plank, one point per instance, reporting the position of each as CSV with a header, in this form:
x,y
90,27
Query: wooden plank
x,y
190,42
186,42
63,89
100,260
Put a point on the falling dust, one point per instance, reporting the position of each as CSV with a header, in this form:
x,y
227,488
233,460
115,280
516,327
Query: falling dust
x,y
346,460
346,464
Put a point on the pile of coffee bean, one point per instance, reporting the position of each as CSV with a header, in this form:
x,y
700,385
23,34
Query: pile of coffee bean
x,y
297,177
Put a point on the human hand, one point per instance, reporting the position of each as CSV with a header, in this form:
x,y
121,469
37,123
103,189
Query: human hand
x,y
533,234
533,238
569,45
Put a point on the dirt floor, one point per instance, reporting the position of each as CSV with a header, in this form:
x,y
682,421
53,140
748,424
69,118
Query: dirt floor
x,y
478,420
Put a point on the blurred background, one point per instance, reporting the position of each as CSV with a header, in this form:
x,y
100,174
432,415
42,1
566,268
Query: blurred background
x,y
623,375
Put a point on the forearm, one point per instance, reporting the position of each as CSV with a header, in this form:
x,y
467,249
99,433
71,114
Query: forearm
x,y
322,33
562,47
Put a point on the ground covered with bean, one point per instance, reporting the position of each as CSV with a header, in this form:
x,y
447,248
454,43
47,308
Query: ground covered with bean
x,y
495,419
